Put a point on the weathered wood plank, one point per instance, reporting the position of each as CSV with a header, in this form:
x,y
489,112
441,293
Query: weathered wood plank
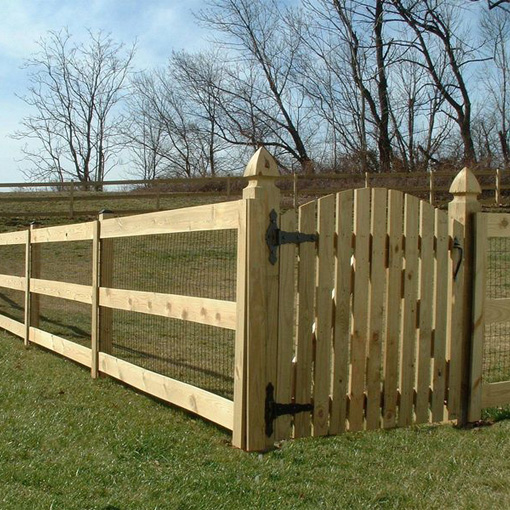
x,y
498,225
71,350
15,327
342,295
286,321
393,306
212,407
376,306
324,315
213,312
306,303
496,394
9,238
12,282
240,369
426,291
64,290
360,307
440,316
497,310
190,219
62,233
480,316
409,310
455,323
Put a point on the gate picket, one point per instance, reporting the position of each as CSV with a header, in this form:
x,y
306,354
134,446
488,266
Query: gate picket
x,y
360,315
426,287
286,259
305,317
393,306
409,309
376,307
440,315
343,292
324,315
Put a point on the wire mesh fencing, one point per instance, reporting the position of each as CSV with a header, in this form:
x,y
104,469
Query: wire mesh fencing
x,y
496,355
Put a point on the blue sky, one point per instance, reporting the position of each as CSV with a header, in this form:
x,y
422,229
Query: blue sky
x,y
158,26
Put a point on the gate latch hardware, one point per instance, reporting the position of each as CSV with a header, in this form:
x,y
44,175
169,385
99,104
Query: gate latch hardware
x,y
458,246
274,409
276,237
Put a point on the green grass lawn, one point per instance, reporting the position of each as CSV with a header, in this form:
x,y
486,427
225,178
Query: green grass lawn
x,y
69,442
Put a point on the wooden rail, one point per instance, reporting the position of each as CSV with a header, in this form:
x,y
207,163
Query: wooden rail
x,y
434,184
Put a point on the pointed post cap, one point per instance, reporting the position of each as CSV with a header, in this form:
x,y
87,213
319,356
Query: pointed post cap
x,y
465,183
261,164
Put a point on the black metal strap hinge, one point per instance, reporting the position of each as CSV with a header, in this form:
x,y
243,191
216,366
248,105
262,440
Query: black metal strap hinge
x,y
276,237
274,409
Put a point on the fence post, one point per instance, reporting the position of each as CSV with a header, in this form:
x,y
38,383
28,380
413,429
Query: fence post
x,y
465,190
432,197
295,191
32,270
497,194
71,200
105,279
94,344
260,197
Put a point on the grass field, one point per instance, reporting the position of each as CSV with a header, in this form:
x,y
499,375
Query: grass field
x,y
68,442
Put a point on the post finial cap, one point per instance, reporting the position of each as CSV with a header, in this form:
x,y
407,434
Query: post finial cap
x,y
261,164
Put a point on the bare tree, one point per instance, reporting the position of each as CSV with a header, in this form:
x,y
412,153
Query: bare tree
x,y
267,107
74,92
435,30
495,29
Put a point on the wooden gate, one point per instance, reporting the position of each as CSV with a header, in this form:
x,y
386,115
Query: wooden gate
x,y
369,322
490,375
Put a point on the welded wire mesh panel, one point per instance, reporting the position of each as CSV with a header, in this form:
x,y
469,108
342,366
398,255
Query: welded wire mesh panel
x,y
12,262
197,264
69,262
68,319
200,264
196,354
66,262
496,354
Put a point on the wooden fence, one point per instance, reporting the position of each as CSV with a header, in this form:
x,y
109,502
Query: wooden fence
x,y
356,314
75,198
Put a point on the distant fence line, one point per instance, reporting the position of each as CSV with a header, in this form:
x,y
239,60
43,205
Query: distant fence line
x,y
432,186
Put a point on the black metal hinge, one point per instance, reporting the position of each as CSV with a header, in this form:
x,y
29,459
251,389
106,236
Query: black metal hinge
x,y
276,237
274,409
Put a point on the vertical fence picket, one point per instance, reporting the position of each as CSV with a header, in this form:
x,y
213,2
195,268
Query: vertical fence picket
x,y
324,307
343,291
376,306
393,306
440,316
426,288
409,309
305,318
360,299
287,258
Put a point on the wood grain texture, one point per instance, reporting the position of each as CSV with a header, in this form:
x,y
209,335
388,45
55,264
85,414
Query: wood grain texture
x,y
64,290
324,315
342,296
212,407
393,307
191,219
12,282
62,233
9,238
409,310
213,312
60,345
376,306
